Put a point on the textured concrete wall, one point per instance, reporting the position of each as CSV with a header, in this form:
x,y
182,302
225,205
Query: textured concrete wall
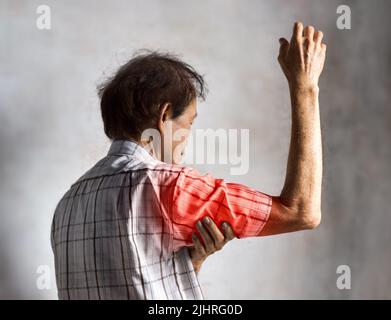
x,y
51,132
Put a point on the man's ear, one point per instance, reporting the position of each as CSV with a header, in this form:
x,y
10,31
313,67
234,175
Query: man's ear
x,y
165,115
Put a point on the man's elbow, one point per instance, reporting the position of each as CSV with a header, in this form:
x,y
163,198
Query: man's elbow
x,y
311,220
294,216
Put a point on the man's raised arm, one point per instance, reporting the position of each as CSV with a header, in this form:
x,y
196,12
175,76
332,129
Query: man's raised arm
x,y
299,205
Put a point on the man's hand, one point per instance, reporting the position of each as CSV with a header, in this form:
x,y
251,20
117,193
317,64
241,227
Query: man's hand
x,y
213,240
303,58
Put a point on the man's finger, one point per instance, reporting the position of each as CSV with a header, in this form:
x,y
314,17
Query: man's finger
x,y
308,32
318,36
228,232
324,47
297,31
217,235
284,47
198,245
206,238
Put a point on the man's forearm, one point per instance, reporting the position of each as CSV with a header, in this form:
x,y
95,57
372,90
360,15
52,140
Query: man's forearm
x,y
302,188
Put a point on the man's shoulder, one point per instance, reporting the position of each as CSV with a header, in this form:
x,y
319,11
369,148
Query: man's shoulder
x,y
122,164
161,171
110,165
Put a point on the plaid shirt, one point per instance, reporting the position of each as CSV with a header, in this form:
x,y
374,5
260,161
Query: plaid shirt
x,y
122,231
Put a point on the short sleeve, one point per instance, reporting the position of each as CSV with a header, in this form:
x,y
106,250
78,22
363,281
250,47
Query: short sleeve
x,y
196,196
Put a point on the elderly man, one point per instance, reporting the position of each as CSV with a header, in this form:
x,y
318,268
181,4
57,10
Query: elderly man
x,y
138,225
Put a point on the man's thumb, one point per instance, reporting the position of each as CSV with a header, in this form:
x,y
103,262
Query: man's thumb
x,y
284,46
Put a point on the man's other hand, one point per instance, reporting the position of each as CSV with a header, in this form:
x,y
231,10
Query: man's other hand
x,y
212,240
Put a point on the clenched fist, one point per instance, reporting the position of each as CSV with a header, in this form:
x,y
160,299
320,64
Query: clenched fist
x,y
302,58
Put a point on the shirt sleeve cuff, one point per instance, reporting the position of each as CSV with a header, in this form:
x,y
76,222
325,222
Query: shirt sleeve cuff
x,y
258,217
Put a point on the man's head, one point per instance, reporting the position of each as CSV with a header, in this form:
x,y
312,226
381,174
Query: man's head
x,y
152,97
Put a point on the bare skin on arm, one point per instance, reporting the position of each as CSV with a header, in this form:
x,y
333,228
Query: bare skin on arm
x,y
299,205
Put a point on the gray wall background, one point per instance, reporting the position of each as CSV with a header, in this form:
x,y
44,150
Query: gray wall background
x,y
51,131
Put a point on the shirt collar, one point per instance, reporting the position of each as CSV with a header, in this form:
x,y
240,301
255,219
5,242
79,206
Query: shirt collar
x,y
131,148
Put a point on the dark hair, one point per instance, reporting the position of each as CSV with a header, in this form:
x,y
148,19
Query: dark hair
x,y
131,100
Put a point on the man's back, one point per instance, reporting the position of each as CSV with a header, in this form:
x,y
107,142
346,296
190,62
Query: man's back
x,y
111,237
